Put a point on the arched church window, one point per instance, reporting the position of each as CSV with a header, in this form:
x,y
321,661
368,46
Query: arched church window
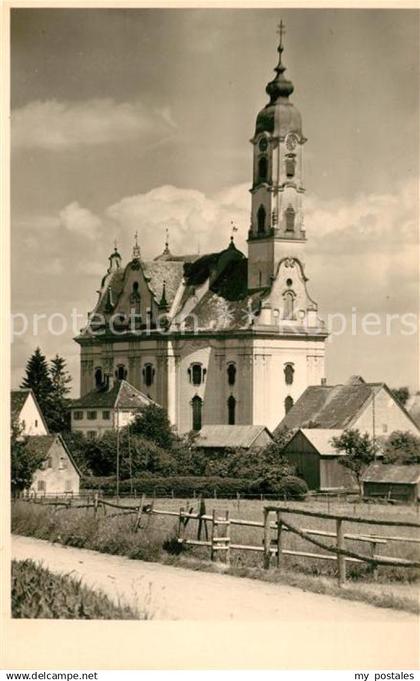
x,y
290,219
262,169
290,166
261,219
197,409
289,302
231,403
288,404
231,372
99,378
148,374
121,372
288,374
196,373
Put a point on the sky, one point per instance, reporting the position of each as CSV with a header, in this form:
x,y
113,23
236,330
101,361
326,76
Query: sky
x,y
128,120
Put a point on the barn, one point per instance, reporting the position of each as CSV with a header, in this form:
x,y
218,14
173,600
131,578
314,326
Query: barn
x,y
390,481
216,439
316,461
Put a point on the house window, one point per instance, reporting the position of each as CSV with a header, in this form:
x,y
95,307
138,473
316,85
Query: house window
x,y
196,373
288,305
262,168
91,415
67,486
290,167
231,410
261,219
148,374
49,462
77,415
288,403
288,374
197,408
41,486
121,372
384,427
99,377
91,434
62,464
106,415
290,219
231,372
36,423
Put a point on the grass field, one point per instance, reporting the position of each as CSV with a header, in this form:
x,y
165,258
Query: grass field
x,y
390,587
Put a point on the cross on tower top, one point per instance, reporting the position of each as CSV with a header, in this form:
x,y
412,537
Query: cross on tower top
x,y
281,30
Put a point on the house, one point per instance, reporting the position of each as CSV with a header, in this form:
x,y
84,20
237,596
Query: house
x,y
413,407
217,438
392,482
107,409
310,450
59,473
25,409
225,337
368,407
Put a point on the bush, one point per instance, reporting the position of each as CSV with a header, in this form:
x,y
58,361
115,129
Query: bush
x,y
36,592
186,486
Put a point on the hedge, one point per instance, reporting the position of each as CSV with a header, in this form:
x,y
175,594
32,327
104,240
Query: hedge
x,y
187,486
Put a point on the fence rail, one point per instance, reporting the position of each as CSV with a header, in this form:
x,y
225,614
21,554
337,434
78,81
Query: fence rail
x,y
219,539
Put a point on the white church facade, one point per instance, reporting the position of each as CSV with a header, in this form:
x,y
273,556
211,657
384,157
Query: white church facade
x,y
221,338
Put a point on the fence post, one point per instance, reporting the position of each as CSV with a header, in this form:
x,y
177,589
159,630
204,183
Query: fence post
x,y
213,534
181,526
341,561
139,513
267,539
372,553
279,539
95,504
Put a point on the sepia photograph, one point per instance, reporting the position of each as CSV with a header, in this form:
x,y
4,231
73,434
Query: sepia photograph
x,y
214,366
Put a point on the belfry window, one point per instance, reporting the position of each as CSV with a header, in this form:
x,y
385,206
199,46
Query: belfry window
x,y
121,372
99,379
290,219
288,374
231,373
262,169
196,373
197,409
290,166
148,374
261,219
288,404
231,403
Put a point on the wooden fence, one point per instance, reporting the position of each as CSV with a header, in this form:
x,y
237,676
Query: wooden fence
x,y
218,540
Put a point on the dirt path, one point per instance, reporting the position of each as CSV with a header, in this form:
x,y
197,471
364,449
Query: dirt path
x,y
177,593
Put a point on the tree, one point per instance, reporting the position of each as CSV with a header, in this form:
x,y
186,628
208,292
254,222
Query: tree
x,y
57,407
38,379
359,451
401,394
23,463
152,423
402,447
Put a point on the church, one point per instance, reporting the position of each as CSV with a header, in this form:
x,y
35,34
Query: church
x,y
221,338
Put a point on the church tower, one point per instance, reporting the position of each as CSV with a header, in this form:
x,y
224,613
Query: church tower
x,y
277,228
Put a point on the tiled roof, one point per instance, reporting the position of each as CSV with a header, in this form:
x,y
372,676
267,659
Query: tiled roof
x,y
18,399
229,436
392,473
413,407
158,271
321,438
40,444
122,395
322,406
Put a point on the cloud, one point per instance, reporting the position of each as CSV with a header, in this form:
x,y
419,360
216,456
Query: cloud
x,y
80,221
56,125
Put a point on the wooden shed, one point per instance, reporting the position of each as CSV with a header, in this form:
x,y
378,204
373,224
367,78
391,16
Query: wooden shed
x,y
218,438
389,481
316,460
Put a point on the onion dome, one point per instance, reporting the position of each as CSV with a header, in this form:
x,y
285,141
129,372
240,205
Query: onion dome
x,y
279,116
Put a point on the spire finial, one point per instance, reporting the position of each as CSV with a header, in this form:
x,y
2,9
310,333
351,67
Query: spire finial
x,y
280,86
167,239
115,245
136,247
281,30
233,230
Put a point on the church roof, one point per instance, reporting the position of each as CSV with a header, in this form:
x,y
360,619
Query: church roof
x,y
122,395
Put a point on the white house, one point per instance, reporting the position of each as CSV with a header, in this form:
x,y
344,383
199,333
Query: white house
x,y
25,408
107,409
